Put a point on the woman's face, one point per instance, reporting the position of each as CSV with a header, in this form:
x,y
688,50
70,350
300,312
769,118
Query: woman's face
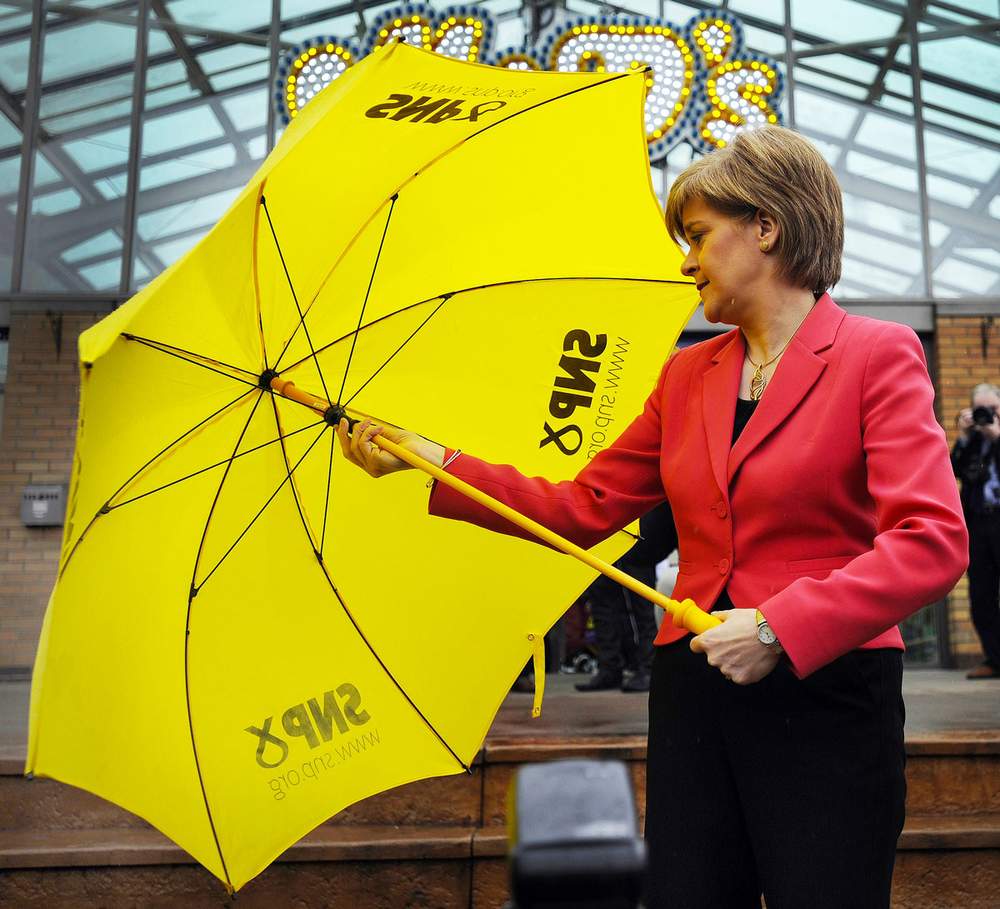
x,y
724,259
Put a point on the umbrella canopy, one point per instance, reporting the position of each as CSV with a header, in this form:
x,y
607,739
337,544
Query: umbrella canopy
x,y
247,634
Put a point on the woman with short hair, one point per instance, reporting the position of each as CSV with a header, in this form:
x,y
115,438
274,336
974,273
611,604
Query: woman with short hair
x,y
815,509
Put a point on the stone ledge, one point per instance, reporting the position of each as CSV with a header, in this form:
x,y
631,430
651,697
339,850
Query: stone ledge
x,y
138,846
951,832
128,847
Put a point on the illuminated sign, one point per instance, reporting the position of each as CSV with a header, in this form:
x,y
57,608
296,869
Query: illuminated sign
x,y
703,87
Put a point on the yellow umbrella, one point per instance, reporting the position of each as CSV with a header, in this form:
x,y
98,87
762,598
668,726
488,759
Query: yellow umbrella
x,y
247,634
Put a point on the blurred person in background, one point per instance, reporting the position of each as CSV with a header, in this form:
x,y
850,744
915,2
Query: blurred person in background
x,y
976,461
624,622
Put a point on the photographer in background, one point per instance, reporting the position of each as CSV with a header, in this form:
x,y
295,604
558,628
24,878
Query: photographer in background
x,y
976,460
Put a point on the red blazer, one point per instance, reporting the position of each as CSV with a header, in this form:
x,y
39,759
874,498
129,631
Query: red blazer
x,y
836,513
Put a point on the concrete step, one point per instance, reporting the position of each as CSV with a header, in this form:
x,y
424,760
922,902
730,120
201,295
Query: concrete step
x,y
942,861
946,774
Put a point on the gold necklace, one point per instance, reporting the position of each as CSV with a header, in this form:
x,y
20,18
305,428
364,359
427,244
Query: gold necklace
x,y
757,380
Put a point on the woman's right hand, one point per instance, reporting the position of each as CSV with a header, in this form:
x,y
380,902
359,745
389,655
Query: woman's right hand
x,y
361,449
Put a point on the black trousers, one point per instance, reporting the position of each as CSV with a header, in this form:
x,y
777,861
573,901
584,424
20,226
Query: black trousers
x,y
791,788
624,623
984,581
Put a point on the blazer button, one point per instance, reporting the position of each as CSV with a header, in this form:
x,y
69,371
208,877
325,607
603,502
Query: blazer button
x,y
724,566
720,509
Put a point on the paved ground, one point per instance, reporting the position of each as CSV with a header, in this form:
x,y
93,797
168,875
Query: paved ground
x,y
937,701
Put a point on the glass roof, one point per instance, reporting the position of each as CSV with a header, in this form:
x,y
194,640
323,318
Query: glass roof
x,y
205,119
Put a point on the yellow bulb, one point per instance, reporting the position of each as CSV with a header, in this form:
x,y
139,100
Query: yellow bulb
x,y
685,91
772,119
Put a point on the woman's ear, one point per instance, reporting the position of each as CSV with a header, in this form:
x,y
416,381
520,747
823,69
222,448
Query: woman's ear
x,y
768,230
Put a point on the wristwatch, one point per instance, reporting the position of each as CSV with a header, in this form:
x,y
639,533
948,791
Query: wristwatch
x,y
766,635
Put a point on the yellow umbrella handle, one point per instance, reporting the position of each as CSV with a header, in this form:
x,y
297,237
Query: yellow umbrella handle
x,y
685,614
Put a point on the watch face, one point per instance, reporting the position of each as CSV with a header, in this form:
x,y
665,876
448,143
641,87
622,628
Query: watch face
x,y
765,635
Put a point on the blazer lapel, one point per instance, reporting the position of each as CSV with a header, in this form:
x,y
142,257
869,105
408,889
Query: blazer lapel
x,y
720,386
798,370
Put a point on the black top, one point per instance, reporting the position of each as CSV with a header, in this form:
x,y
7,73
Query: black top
x,y
744,410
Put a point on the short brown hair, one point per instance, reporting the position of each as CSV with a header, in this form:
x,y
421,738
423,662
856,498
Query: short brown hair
x,y
777,170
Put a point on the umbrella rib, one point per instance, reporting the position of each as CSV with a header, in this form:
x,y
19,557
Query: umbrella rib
x,y
393,355
187,635
106,507
364,305
488,286
385,668
263,508
294,488
196,473
186,356
256,274
326,501
298,308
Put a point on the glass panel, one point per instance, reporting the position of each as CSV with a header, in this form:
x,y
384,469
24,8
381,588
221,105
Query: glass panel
x,y
920,636
771,10
872,150
961,137
87,71
245,16
10,159
843,20
197,155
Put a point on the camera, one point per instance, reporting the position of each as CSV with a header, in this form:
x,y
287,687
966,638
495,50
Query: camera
x,y
983,416
573,837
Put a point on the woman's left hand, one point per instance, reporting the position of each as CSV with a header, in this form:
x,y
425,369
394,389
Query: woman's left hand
x,y
734,649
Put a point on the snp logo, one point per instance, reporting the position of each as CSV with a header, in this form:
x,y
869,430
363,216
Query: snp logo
x,y
429,109
574,388
313,721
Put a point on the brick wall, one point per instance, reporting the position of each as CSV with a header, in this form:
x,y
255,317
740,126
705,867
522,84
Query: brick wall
x,y
36,446
961,365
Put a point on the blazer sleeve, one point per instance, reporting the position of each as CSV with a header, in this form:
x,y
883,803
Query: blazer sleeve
x,y
618,485
921,544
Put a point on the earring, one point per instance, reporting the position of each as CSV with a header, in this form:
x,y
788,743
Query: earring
x,y
765,246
